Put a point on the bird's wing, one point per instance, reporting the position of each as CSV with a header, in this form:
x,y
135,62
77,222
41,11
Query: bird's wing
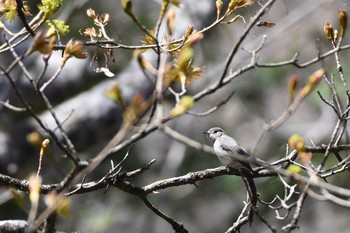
x,y
230,145
243,152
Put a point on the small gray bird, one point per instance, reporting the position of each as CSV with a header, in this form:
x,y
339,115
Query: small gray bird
x,y
227,149
233,155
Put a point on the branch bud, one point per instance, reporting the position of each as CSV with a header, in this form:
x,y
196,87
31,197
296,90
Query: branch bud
x,y
329,31
314,79
39,44
296,142
292,84
44,146
343,21
219,5
186,103
188,32
73,48
234,4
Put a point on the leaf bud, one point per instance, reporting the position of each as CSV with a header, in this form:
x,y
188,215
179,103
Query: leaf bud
x,y
329,31
343,21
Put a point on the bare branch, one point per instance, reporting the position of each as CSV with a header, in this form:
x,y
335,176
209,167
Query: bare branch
x,y
243,35
11,107
294,222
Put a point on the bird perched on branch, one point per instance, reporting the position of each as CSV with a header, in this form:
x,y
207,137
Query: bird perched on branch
x,y
236,157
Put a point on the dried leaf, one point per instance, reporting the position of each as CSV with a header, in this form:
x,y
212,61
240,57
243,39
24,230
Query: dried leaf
x,y
104,70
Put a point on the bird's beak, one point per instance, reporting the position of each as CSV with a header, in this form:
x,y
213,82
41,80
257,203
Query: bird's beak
x,y
206,132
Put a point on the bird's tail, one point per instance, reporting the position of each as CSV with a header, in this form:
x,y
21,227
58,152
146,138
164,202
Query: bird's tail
x,y
252,192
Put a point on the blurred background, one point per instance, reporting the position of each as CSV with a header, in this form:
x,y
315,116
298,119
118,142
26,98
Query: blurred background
x,y
79,95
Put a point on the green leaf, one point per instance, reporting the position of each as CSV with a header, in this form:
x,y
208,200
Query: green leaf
x,y
50,6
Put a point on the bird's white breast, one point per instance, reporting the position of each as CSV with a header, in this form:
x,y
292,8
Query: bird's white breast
x,y
224,156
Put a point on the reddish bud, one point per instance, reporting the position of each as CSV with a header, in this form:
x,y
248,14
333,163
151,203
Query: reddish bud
x,y
314,79
73,48
91,13
292,85
39,44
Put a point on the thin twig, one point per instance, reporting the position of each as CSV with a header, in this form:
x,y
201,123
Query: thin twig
x,y
240,40
177,226
294,222
48,82
11,107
